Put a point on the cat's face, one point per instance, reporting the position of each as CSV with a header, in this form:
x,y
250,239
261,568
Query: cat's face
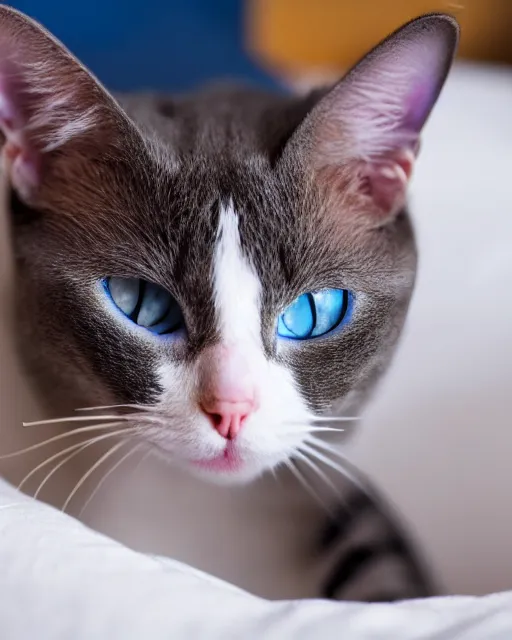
x,y
236,262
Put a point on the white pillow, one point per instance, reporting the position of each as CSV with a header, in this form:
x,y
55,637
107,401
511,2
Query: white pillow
x,y
61,581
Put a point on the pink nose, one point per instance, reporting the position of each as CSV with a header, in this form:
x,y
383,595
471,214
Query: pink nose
x,y
228,417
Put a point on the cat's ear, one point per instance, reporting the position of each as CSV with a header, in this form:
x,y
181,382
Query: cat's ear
x,y
364,134
52,110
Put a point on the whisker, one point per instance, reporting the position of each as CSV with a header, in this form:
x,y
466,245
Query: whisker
x,y
301,456
107,475
291,467
336,418
38,423
59,465
140,407
86,475
273,471
148,453
77,446
295,471
67,434
73,447
123,417
326,446
348,473
313,429
320,456
314,419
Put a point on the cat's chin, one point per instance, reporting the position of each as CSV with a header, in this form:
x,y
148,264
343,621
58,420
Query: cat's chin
x,y
241,477
223,471
214,472
227,468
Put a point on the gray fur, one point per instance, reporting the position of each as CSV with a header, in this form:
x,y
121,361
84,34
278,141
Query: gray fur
x,y
154,226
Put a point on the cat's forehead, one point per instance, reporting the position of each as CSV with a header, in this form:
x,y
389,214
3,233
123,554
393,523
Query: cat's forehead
x,y
217,149
234,121
220,148
183,220
157,214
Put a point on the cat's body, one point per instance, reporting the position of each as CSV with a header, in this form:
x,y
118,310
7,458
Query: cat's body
x,y
236,264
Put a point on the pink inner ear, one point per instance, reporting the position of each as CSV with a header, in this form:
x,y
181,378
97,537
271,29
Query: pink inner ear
x,y
47,101
419,104
384,102
373,119
386,180
22,158
24,169
42,107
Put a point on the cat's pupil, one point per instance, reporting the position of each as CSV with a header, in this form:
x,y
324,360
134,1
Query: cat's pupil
x,y
125,293
146,304
154,306
299,318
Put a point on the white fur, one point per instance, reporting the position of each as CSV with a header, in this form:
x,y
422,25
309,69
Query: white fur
x,y
237,287
277,428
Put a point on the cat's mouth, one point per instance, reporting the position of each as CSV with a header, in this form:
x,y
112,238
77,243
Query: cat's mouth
x,y
227,461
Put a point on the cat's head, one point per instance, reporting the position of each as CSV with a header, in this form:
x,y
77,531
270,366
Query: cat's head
x,y
237,262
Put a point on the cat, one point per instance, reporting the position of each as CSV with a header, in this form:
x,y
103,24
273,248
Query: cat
x,y
233,266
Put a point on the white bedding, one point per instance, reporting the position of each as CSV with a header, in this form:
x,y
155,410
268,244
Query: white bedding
x,y
59,580
447,404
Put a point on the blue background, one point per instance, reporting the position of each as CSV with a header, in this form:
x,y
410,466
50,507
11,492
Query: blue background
x,y
155,44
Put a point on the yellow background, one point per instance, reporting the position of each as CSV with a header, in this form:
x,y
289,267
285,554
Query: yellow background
x,y
294,35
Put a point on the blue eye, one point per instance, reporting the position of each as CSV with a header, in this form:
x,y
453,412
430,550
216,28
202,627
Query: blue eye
x,y
314,314
146,304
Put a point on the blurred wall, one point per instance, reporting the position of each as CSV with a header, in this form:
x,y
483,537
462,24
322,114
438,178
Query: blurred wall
x,y
300,35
